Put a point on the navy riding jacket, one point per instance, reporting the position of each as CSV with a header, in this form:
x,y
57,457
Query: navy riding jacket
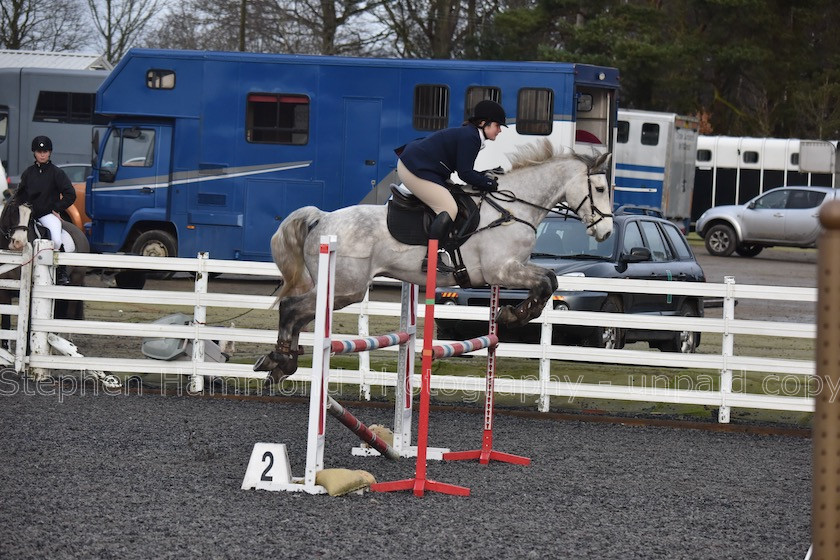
x,y
436,157
47,188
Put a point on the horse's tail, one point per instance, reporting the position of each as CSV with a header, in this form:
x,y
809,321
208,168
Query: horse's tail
x,y
287,250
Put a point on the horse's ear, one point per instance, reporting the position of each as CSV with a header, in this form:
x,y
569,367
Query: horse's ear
x,y
602,163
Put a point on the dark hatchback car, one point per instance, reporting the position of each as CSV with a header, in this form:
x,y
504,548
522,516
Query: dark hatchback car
x,y
643,246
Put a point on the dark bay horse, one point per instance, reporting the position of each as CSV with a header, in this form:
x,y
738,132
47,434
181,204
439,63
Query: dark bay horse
x,y
538,180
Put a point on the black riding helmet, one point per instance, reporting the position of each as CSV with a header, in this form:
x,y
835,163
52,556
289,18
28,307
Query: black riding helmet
x,y
41,143
488,111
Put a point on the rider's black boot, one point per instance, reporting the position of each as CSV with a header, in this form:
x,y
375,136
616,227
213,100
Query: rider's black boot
x,y
61,276
441,229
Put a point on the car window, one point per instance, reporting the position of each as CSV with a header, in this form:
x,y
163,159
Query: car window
x,y
799,199
565,238
76,173
677,242
632,237
772,199
659,251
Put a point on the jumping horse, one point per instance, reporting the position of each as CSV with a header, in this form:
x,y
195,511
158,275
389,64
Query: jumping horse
x,y
17,228
497,253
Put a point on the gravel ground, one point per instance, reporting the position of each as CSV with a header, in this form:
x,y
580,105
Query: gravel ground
x,y
150,476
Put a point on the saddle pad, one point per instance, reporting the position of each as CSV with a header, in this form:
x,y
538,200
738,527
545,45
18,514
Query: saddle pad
x,y
408,226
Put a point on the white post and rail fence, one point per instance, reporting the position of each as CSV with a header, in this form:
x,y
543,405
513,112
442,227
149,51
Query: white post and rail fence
x,y
40,358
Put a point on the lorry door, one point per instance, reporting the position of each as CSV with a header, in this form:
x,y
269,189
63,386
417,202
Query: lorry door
x,y
360,165
132,182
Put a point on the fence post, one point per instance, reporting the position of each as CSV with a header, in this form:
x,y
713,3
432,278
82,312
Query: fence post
x,y
24,302
41,308
364,357
825,480
199,319
546,331
727,349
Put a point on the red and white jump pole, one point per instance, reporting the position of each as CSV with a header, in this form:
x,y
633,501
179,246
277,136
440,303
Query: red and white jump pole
x,y
419,484
487,453
404,396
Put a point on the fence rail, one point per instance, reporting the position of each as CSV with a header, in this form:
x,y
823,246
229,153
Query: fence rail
x,y
541,386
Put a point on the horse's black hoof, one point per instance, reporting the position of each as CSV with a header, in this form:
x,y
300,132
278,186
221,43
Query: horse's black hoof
x,y
280,365
506,316
265,364
276,376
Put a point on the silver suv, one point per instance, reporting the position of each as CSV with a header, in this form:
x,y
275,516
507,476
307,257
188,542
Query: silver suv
x,y
784,216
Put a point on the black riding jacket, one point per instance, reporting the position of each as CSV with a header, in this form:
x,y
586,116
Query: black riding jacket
x,y
47,188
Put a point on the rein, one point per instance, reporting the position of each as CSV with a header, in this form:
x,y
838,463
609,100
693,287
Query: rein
x,y
508,216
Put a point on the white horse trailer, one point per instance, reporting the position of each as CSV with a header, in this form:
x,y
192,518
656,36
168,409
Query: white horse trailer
x,y
654,162
733,170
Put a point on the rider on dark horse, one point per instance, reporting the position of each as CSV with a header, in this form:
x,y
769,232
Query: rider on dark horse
x,y
49,191
426,164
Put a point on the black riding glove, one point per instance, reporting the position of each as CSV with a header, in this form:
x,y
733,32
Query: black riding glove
x,y
492,185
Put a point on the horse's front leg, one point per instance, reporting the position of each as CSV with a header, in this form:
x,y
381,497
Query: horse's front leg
x,y
541,284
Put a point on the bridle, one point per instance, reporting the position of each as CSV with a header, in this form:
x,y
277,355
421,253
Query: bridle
x,y
508,196
9,232
595,209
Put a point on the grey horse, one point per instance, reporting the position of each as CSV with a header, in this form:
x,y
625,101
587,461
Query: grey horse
x,y
539,179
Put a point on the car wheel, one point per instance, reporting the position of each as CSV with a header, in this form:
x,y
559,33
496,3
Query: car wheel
x,y
608,337
684,342
721,240
748,249
156,243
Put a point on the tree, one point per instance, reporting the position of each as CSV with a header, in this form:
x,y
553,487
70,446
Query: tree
x,y
48,25
300,26
438,28
750,67
121,23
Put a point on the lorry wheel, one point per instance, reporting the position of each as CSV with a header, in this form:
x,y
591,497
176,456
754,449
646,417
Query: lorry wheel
x,y
721,240
156,243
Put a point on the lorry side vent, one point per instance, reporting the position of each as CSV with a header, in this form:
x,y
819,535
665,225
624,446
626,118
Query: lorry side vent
x,y
212,199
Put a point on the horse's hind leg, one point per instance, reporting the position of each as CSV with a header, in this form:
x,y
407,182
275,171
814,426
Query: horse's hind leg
x,y
543,286
294,313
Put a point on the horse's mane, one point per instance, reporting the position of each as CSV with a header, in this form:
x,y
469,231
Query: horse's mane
x,y
541,152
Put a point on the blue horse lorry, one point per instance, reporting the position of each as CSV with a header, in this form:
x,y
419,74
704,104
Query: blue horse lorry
x,y
209,151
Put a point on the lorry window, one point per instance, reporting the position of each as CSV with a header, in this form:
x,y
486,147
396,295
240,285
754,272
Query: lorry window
x,y
431,107
111,153
534,111
4,123
750,157
650,134
160,79
623,132
273,118
139,149
480,93
64,107
704,155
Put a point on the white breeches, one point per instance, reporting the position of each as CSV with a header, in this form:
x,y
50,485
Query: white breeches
x,y
57,234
